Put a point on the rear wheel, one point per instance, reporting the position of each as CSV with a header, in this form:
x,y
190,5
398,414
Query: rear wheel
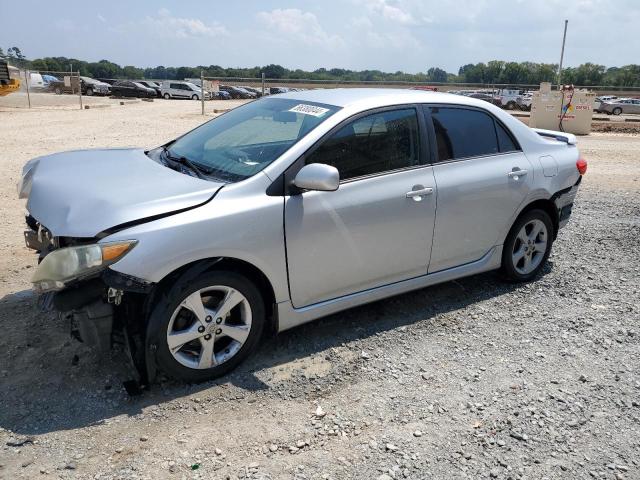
x,y
89,92
206,327
527,246
194,97
617,111
166,96
58,91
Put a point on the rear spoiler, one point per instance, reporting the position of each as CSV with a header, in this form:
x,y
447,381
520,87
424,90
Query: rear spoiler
x,y
567,138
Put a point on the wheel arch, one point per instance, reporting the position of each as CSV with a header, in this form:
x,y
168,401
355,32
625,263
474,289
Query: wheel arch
x,y
546,205
197,267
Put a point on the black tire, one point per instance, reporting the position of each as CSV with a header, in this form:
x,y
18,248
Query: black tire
x,y
508,268
89,92
161,316
194,97
166,96
617,111
58,91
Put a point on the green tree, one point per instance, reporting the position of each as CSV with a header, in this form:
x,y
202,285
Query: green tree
x,y
274,71
132,72
436,75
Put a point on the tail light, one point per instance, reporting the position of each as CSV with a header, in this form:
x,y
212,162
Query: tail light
x,y
581,165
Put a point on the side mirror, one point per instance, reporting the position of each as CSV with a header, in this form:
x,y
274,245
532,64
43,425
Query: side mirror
x,y
319,177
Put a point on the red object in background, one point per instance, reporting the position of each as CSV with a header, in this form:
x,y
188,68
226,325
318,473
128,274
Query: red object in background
x,y
581,165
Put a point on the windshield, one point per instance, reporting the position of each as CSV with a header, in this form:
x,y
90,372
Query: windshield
x,y
245,140
139,85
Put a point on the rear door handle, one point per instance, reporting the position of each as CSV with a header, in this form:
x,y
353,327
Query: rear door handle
x,y
418,194
517,173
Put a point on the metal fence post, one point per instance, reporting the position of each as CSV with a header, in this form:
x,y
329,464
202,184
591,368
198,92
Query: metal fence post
x,y
263,84
27,76
202,90
80,90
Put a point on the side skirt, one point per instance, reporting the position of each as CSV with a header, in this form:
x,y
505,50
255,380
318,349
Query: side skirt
x,y
289,317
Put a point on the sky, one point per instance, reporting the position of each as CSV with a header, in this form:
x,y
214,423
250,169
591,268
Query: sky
x,y
388,35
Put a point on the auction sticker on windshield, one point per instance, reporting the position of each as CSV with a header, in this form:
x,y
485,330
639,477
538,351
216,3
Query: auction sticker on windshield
x,y
309,110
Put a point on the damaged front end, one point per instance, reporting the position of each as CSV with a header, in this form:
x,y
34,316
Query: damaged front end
x,y
104,307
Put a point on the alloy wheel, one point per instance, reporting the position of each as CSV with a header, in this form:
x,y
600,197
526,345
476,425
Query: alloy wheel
x,y
530,247
209,327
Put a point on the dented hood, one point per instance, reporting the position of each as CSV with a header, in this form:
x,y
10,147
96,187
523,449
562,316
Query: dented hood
x,y
85,192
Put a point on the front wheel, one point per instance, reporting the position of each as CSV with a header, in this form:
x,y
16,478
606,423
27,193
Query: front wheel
x,y
194,97
527,246
206,327
89,92
166,96
617,111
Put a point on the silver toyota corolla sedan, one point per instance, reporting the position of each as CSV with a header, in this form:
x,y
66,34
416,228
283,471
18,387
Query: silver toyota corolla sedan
x,y
287,209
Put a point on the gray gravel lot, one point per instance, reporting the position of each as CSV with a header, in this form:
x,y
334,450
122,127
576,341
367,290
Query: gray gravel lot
x,y
469,379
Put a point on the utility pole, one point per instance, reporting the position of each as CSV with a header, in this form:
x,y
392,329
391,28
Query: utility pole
x,y
202,90
564,39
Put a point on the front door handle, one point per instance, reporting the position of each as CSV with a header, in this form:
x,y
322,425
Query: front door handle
x,y
419,192
515,174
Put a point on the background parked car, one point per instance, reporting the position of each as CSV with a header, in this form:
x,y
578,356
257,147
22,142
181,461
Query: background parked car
x,y
179,89
48,79
524,102
91,86
109,81
487,97
36,81
220,95
622,105
605,98
127,88
153,85
238,92
257,91
276,90
509,97
88,86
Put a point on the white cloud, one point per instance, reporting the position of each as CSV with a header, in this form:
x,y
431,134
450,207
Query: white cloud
x,y
391,12
395,14
294,24
165,24
101,18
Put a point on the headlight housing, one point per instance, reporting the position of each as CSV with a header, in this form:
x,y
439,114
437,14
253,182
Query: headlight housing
x,y
72,263
24,184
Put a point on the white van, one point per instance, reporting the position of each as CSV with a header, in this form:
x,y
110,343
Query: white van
x,y
179,89
36,81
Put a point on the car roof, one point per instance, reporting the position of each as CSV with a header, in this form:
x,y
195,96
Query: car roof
x,y
377,97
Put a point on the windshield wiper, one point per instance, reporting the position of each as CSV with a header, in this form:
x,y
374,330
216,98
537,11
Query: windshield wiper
x,y
182,160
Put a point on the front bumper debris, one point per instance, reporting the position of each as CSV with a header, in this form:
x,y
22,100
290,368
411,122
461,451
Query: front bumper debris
x,y
94,324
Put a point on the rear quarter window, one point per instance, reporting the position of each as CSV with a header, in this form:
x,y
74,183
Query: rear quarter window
x,y
506,141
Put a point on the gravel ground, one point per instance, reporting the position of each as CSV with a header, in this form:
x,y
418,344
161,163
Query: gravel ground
x,y
470,379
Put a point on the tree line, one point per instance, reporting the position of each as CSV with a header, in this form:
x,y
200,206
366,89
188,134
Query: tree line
x,y
493,72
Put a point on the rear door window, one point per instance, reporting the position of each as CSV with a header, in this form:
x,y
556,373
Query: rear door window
x,y
463,133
